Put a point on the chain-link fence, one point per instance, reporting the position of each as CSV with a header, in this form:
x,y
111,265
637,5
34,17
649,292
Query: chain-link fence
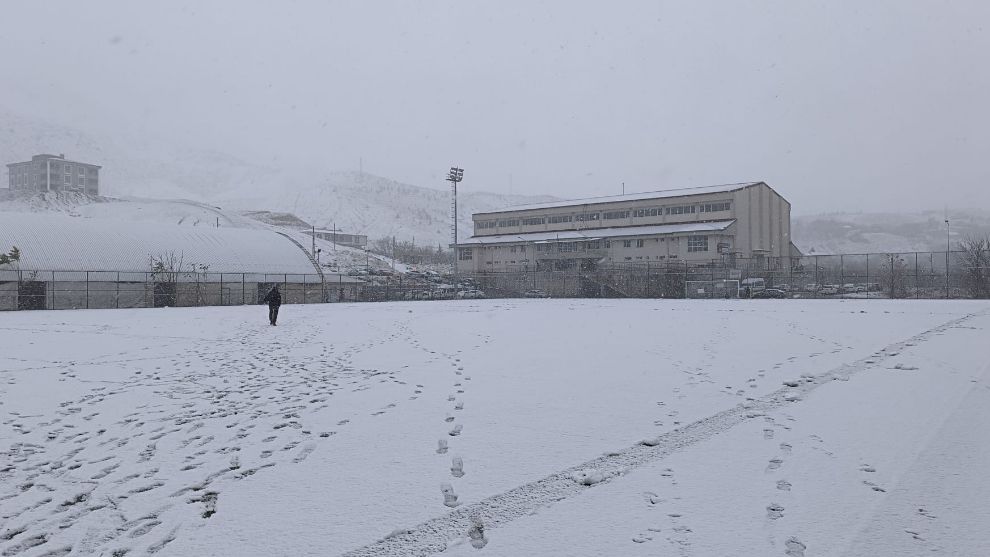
x,y
21,289
931,275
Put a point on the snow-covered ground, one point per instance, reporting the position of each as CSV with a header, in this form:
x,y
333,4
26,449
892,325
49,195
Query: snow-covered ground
x,y
846,427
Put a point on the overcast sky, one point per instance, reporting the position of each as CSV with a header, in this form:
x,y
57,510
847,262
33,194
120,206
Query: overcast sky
x,y
840,105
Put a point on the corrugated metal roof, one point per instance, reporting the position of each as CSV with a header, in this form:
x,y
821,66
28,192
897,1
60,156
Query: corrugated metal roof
x,y
662,194
63,243
597,233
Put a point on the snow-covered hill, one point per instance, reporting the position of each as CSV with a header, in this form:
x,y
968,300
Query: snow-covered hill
x,y
884,232
361,203
144,169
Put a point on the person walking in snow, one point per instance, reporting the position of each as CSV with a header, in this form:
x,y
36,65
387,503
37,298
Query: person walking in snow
x,y
274,299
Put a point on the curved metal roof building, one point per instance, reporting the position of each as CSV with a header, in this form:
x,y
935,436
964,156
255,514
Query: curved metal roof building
x,y
63,243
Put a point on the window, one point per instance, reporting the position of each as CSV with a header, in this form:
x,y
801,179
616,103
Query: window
x,y
566,247
466,254
512,249
582,217
616,215
680,210
627,243
561,218
543,248
697,243
714,207
508,222
639,243
522,249
597,244
483,224
608,243
534,221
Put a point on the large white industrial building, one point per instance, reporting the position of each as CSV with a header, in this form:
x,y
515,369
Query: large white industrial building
x,y
691,225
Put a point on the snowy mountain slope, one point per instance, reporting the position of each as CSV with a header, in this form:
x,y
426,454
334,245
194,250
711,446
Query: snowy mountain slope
x,y
361,203
358,203
141,166
884,232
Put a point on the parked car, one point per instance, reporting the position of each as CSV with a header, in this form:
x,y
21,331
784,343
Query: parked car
x,y
770,293
829,290
470,294
536,293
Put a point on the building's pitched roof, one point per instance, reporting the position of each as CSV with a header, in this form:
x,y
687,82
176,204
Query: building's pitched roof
x,y
62,243
662,194
596,233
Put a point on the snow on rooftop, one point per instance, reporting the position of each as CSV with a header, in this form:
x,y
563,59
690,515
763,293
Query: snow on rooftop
x,y
62,243
661,194
594,233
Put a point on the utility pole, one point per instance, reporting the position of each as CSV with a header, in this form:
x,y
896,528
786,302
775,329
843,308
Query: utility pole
x,y
335,236
314,241
623,188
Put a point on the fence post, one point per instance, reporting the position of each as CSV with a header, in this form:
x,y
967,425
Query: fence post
x,y
947,273
917,291
842,275
116,301
867,276
817,284
243,291
87,287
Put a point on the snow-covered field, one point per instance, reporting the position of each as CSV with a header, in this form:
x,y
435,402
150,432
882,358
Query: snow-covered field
x,y
785,428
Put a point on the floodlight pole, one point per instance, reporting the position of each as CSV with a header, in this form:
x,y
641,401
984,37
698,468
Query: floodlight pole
x,y
454,176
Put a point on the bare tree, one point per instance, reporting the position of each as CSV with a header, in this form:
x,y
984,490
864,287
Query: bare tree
x,y
12,257
166,267
975,261
893,276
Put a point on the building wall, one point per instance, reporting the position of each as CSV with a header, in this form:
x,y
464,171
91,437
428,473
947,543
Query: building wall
x,y
763,222
656,249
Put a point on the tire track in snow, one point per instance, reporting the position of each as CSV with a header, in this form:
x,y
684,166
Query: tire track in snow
x,y
433,535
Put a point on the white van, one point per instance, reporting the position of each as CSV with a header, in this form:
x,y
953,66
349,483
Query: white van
x,y
754,284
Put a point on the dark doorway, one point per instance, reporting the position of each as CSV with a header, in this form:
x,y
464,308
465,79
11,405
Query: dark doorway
x,y
165,294
32,294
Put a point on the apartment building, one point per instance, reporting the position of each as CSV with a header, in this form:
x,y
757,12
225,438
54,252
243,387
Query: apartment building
x,y
692,225
54,173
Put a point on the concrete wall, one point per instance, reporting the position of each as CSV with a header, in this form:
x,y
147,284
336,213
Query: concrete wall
x,y
763,222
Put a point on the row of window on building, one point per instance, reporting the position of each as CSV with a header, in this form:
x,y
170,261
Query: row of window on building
x,y
714,207
696,243
24,177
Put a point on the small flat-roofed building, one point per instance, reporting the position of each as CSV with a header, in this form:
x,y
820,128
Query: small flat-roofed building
x,y
690,225
340,238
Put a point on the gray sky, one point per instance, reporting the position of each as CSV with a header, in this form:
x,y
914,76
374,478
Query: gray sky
x,y
841,105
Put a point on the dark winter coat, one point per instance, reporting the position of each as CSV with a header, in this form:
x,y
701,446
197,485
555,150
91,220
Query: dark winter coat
x,y
274,298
